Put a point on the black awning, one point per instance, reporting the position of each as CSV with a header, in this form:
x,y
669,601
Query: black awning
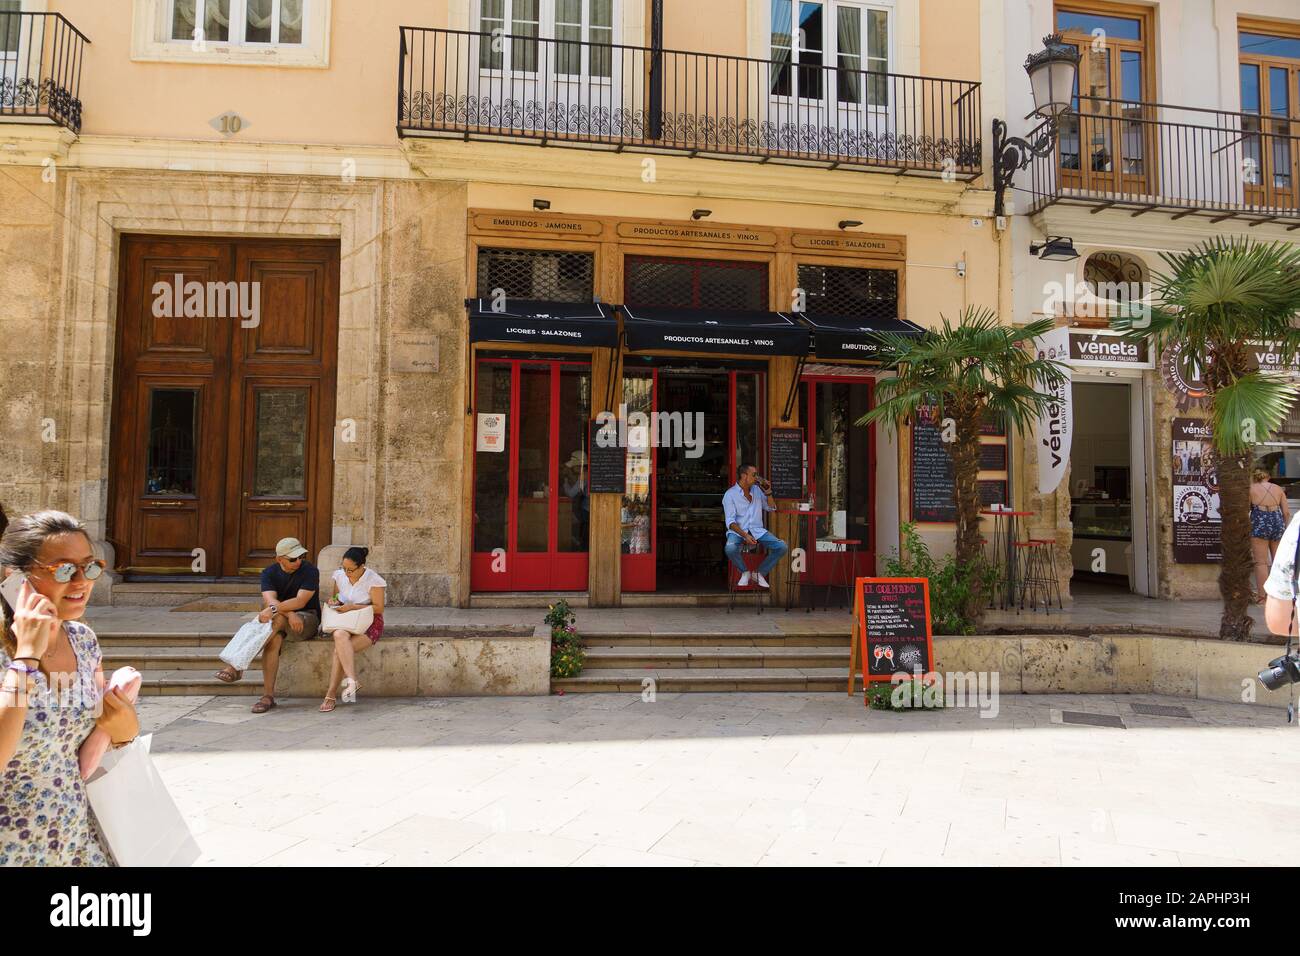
x,y
713,330
844,336
549,323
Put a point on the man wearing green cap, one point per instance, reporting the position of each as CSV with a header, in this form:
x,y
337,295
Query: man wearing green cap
x,y
291,603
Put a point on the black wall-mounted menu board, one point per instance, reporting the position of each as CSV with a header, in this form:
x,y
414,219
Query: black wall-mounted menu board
x,y
786,468
607,463
934,489
993,492
894,620
993,457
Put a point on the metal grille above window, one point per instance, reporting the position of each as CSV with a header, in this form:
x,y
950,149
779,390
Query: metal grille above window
x,y
657,282
837,290
541,274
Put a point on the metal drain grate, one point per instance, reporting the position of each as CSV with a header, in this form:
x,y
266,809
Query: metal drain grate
x,y
1093,720
1161,710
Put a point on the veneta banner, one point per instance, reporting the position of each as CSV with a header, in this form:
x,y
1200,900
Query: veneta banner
x,y
1056,420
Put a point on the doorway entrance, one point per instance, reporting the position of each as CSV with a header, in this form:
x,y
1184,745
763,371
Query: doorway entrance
x,y
531,508
1107,488
701,422
223,405
841,461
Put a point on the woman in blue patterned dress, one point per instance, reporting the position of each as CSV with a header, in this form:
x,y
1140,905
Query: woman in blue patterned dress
x,y
55,721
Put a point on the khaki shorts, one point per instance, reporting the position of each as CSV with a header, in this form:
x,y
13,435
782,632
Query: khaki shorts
x,y
310,626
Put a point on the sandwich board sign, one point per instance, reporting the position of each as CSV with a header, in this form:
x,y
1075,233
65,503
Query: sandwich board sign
x,y
891,629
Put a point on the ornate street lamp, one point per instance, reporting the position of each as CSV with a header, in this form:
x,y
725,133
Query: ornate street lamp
x,y
1052,71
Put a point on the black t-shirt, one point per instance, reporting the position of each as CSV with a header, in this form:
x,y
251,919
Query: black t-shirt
x,y
287,586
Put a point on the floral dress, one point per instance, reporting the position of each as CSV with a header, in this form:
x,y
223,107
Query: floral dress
x,y
45,819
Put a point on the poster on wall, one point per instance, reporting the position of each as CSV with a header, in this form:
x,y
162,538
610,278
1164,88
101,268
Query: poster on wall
x,y
1056,421
1197,523
491,432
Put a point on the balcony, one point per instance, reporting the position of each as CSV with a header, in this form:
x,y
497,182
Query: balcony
x,y
40,69
1149,157
615,97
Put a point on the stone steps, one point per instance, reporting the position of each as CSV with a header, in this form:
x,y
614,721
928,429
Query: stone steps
x,y
715,657
176,593
706,680
198,683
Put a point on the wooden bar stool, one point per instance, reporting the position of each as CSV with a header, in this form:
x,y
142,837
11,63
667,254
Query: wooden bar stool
x,y
842,566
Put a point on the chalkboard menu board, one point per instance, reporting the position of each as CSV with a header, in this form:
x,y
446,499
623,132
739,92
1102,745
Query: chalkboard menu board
x,y
993,492
993,424
934,489
608,462
993,457
786,468
894,621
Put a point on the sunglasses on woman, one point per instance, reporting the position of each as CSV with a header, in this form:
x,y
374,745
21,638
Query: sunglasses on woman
x,y
64,571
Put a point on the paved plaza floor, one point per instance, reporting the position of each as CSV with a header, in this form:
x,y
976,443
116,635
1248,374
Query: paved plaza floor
x,y
729,779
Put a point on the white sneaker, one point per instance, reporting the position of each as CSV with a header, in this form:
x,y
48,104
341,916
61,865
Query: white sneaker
x,y
744,580
762,581
349,695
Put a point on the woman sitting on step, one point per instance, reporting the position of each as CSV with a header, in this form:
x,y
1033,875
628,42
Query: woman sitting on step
x,y
355,617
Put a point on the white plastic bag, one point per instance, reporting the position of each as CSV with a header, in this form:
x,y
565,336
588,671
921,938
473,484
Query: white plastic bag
x,y
246,644
138,817
354,622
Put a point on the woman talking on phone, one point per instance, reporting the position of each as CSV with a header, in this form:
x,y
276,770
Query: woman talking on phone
x,y
53,729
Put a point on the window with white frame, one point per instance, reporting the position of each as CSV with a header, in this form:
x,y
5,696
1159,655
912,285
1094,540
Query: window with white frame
x,y
830,48
584,30
284,33
274,22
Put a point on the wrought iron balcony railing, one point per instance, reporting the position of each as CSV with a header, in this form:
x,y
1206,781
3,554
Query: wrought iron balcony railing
x,y
562,92
1150,156
40,69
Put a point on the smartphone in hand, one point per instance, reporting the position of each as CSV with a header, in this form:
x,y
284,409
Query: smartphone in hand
x,y
11,588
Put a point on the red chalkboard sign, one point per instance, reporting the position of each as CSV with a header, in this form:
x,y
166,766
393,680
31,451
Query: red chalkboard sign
x,y
891,628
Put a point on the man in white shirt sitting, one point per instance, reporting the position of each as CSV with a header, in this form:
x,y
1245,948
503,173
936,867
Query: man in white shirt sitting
x,y
743,506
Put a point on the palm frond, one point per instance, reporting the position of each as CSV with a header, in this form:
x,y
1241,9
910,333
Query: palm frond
x,y
1249,410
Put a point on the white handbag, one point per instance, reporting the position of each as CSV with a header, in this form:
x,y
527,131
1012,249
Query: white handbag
x,y
354,622
137,816
246,644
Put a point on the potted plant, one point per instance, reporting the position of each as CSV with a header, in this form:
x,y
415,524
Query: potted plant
x,y
567,656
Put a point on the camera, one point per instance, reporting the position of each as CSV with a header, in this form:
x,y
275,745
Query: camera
x,y
1281,671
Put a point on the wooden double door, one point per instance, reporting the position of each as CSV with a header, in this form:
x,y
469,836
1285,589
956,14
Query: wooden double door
x,y
223,412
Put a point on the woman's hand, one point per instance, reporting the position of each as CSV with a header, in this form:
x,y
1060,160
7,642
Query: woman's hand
x,y
118,720
35,622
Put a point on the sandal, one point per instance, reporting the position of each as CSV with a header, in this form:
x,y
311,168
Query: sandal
x,y
264,703
226,677
350,688
327,705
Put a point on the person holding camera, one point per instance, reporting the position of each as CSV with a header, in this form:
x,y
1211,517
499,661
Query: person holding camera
x,y
56,720
742,507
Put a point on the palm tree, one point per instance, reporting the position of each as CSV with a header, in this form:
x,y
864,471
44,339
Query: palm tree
x,y
967,372
1216,302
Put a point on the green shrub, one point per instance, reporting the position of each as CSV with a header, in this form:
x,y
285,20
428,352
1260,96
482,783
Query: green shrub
x,y
950,584
906,695
567,656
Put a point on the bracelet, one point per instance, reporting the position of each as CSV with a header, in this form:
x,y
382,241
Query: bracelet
x,y
37,659
19,668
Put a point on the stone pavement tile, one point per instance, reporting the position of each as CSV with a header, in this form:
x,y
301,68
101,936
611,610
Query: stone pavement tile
x,y
618,856
439,800
883,832
979,783
1197,859
802,849
517,780
1260,843
240,846
777,816
343,823
437,840
530,811
522,849
981,847
322,854
714,843
859,796
264,809
963,810
614,791
902,855
1076,852
777,784
619,828
701,805
1027,815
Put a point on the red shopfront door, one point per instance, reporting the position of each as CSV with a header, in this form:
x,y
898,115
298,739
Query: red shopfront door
x,y
531,508
841,473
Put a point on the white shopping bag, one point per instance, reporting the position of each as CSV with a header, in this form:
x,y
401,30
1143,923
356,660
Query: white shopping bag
x,y
246,644
140,822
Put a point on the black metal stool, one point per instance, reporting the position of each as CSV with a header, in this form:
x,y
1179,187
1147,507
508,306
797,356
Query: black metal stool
x,y
842,566
1039,578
